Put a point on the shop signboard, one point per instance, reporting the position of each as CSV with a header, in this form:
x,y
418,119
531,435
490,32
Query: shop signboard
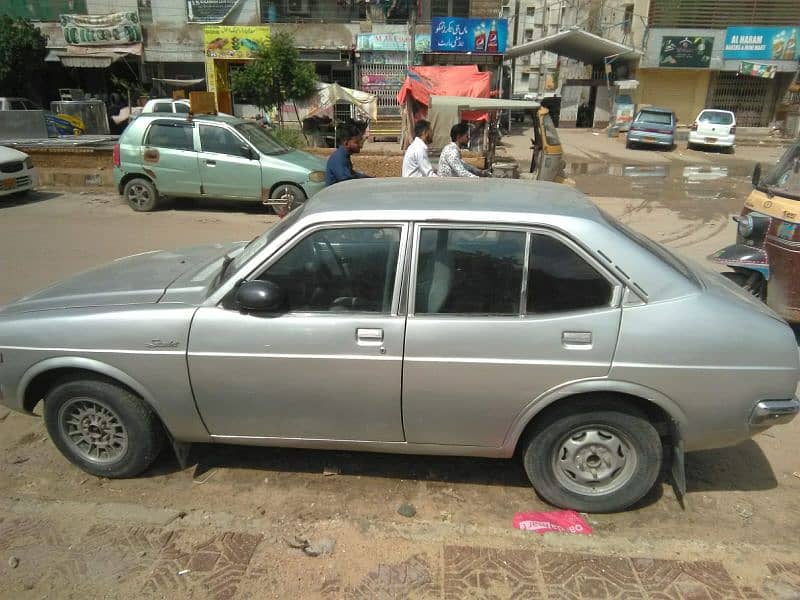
x,y
685,51
476,36
209,11
102,30
234,41
758,70
761,43
391,42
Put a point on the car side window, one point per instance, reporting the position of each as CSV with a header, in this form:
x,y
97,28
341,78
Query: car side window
x,y
162,107
17,105
220,141
469,271
341,269
180,107
560,280
172,135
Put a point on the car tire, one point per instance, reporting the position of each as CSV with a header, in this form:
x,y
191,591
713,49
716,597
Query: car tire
x,y
751,282
616,439
730,150
297,197
102,428
141,195
628,144
690,146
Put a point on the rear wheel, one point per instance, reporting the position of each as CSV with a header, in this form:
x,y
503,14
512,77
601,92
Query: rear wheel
x,y
690,146
293,195
141,195
596,456
102,428
750,281
730,150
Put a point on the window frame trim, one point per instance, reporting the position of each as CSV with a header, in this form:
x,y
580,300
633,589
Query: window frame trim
x,y
230,130
301,235
617,286
170,123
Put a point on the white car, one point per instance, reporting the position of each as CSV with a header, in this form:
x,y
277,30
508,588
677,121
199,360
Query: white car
x,y
165,105
17,173
713,128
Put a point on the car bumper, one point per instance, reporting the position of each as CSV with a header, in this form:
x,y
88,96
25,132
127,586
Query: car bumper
x,y
774,412
647,137
21,181
725,141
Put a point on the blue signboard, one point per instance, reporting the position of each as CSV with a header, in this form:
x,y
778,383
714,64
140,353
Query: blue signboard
x,y
478,36
764,43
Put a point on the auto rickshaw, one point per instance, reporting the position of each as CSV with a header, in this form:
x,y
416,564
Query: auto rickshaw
x,y
547,156
766,256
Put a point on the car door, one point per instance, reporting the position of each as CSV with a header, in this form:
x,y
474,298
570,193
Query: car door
x,y
169,154
328,366
499,317
229,168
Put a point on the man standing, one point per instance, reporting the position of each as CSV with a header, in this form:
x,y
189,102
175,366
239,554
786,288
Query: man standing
x,y
416,162
450,162
340,167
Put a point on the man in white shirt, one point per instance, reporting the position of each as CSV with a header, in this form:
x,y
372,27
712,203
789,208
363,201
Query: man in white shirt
x,y
416,162
450,161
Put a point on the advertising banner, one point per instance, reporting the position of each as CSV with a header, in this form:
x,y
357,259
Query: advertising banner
x,y
102,30
762,43
477,36
685,52
209,11
234,41
758,70
391,42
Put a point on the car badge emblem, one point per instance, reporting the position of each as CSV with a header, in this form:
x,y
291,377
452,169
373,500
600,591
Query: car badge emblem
x,y
162,344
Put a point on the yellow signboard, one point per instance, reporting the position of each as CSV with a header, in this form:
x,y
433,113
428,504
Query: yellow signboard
x,y
234,41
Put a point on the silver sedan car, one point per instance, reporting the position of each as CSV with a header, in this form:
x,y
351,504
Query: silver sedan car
x,y
478,318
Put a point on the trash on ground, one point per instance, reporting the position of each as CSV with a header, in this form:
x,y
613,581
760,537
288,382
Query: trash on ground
x,y
796,474
313,547
328,471
407,510
184,571
13,562
564,521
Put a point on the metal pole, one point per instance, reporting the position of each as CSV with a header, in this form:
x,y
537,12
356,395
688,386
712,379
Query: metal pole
x,y
412,33
514,42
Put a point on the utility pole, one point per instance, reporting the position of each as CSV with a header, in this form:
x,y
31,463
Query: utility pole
x,y
412,32
514,42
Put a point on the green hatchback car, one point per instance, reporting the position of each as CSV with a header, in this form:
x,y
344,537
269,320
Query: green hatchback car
x,y
211,157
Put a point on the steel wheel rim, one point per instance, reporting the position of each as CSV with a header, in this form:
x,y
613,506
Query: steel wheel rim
x,y
93,430
285,193
139,195
594,460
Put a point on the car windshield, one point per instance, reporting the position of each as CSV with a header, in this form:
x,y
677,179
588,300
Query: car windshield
x,y
647,116
784,179
713,117
265,143
652,247
259,243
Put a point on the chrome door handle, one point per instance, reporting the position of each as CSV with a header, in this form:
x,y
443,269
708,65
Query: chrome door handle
x,y
369,336
581,339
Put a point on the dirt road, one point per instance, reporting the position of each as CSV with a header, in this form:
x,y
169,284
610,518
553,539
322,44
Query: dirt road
x,y
225,527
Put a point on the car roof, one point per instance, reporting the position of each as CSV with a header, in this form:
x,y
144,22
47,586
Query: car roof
x,y
719,110
656,109
197,117
419,195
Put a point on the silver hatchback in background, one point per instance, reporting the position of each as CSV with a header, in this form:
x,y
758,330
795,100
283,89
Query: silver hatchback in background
x,y
492,318
652,127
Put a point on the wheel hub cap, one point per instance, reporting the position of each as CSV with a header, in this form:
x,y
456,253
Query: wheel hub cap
x,y
93,429
138,195
594,460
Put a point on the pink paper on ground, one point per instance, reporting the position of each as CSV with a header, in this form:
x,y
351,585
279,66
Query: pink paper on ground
x,y
564,521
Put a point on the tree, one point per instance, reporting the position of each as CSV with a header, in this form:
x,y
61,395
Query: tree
x,y
276,75
22,52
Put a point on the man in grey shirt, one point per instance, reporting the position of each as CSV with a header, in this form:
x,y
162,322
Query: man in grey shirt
x,y
450,162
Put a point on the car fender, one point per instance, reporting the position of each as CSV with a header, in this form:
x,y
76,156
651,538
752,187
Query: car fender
x,y
589,386
743,256
98,367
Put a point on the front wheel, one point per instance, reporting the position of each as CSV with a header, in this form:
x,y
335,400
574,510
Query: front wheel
x,y
293,195
749,281
597,456
102,428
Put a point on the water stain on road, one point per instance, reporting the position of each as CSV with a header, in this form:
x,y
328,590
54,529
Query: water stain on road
x,y
704,192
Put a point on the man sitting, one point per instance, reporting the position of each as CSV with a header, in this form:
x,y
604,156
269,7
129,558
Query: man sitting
x,y
340,167
450,162
416,162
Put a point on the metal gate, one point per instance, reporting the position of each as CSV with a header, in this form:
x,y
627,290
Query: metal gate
x,y
383,80
751,99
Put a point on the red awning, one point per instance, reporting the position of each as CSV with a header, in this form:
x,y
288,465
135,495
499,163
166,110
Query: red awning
x,y
423,82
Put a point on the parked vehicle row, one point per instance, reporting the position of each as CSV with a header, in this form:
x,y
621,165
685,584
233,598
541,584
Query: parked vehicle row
x,y
654,126
533,325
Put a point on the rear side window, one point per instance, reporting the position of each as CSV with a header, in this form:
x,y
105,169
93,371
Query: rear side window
x,y
180,107
660,118
162,107
716,118
17,105
560,280
177,136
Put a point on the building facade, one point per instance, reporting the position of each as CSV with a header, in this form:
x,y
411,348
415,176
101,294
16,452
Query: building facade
x,y
738,55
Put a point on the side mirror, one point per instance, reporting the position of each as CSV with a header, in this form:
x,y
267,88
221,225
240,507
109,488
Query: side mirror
x,y
756,175
259,296
247,152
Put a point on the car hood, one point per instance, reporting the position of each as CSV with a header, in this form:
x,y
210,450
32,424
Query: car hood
x,y
8,154
137,279
302,159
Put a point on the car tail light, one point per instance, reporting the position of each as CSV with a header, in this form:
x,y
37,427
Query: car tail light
x,y
693,126
116,155
733,129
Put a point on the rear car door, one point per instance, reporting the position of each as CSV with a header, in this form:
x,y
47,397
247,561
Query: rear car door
x,y
499,316
227,167
169,154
